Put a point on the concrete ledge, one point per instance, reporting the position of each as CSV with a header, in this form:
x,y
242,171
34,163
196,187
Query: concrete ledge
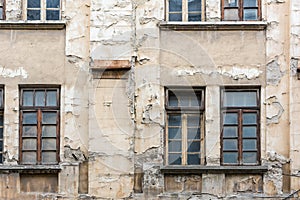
x,y
214,169
32,25
214,26
29,169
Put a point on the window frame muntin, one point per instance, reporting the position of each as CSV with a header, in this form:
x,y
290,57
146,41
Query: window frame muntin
x,y
43,11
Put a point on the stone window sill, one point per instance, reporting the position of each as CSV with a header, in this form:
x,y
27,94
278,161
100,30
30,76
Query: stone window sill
x,y
32,25
214,169
30,169
213,26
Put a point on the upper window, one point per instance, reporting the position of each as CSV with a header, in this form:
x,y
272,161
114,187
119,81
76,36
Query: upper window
x,y
2,9
1,123
185,130
39,125
43,9
240,126
185,10
241,10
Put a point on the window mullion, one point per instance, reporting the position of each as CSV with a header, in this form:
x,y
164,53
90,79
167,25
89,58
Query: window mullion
x,y
39,136
241,10
184,139
43,10
184,10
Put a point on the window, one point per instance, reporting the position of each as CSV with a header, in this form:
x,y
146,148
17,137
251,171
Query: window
x,y
185,10
1,123
239,10
2,9
39,125
43,9
185,130
240,126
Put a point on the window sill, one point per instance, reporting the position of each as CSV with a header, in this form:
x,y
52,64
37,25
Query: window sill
x,y
213,26
31,169
32,25
214,169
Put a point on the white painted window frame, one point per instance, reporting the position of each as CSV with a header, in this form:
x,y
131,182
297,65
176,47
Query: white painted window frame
x,y
43,9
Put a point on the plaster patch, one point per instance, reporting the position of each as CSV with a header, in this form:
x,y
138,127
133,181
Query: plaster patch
x,y
274,74
10,73
275,111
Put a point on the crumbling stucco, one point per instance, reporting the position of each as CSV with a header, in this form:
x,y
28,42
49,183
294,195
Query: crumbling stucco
x,y
275,110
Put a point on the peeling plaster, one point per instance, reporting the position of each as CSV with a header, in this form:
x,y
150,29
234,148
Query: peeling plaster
x,y
11,73
276,107
294,65
274,74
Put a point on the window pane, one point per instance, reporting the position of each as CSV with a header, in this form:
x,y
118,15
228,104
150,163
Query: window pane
x,y
249,145
52,3
1,158
29,118
33,3
49,131
194,17
29,144
1,17
175,17
230,157
1,132
52,15
193,133
1,119
250,14
231,14
249,118
1,145
194,5
230,144
51,98
29,157
27,98
240,99
249,131
174,159
174,120
49,117
250,3
193,120
49,157
174,146
184,100
196,98
193,159
33,15
193,146
231,3
173,101
250,157
230,118
230,131
175,5
29,131
39,98
174,133
49,144
1,91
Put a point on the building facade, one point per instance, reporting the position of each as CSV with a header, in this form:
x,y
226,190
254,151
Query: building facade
x,y
148,99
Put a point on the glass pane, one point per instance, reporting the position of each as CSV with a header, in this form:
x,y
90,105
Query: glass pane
x,y
49,144
29,157
250,14
29,131
250,157
230,118
193,133
1,132
49,157
174,146
29,144
193,120
1,158
193,159
194,17
231,3
49,131
39,98
184,101
51,98
33,15
250,3
193,146
230,144
249,131
52,3
1,145
33,3
249,145
27,98
175,17
49,117
173,101
174,133
1,17
230,131
1,120
175,159
174,120
175,5
231,14
52,15
194,5
1,93
249,118
230,157
196,99
29,118
240,99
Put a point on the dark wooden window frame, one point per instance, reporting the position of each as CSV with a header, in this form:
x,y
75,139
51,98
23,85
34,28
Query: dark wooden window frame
x,y
184,111
241,9
39,110
3,10
240,111
2,120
